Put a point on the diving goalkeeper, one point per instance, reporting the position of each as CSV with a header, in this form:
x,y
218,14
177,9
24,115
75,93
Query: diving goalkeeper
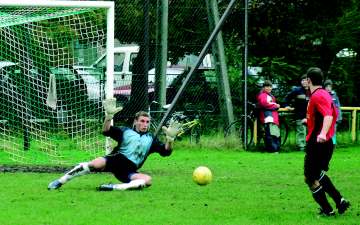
x,y
134,146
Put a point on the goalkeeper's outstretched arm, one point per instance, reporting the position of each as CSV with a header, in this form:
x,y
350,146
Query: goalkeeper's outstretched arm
x,y
168,145
110,110
107,124
171,131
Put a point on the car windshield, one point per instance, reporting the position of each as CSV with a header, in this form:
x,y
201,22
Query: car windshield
x,y
89,79
118,62
63,73
93,72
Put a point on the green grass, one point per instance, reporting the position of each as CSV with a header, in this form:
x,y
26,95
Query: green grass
x,y
247,188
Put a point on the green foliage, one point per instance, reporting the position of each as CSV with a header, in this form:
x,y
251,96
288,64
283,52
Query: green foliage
x,y
129,20
60,147
347,30
248,188
341,71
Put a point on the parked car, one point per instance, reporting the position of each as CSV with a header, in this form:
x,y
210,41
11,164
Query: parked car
x,y
171,73
23,95
80,93
12,101
123,93
123,61
94,81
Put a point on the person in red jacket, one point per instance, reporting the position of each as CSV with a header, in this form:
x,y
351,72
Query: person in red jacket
x,y
269,117
321,118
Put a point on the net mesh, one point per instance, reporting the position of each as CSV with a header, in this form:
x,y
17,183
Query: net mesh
x,y
49,104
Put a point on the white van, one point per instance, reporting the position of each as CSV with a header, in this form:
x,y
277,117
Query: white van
x,y
123,61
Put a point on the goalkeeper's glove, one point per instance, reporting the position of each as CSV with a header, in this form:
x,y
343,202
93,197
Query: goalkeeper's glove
x,y
172,130
110,108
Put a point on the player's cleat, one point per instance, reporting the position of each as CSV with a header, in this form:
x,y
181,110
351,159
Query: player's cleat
x,y
326,213
54,185
343,206
106,187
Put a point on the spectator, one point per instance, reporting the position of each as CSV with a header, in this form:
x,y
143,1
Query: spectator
x,y
328,85
269,117
300,96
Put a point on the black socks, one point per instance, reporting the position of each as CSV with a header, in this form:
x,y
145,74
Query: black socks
x,y
319,195
329,188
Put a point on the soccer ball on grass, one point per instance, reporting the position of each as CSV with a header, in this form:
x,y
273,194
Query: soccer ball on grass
x,y
202,175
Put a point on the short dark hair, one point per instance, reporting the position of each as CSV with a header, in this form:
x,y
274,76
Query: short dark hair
x,y
328,82
315,74
267,83
141,113
304,76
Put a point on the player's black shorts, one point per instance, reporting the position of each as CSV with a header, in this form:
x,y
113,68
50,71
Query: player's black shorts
x,y
120,166
317,158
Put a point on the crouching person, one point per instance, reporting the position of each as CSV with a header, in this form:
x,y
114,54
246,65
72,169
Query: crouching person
x,y
134,146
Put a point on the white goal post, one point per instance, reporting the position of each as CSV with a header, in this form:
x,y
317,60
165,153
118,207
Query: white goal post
x,y
110,12
50,97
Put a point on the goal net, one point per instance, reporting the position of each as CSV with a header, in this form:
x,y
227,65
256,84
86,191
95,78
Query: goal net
x,y
50,96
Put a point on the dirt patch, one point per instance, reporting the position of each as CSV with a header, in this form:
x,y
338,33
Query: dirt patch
x,y
33,169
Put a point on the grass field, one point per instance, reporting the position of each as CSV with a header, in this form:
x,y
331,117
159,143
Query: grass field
x,y
248,188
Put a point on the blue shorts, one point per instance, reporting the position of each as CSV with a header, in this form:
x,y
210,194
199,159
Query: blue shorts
x,y
120,166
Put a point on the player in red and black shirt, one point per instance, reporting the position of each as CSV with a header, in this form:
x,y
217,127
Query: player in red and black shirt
x,y
321,119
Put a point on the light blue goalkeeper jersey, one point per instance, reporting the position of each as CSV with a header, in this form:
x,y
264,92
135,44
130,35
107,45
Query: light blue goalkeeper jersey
x,y
135,146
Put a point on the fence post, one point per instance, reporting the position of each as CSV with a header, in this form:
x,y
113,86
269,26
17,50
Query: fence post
x,y
353,126
255,131
353,120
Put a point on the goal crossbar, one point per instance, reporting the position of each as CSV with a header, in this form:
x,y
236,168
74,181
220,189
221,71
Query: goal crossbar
x,y
47,3
8,19
110,6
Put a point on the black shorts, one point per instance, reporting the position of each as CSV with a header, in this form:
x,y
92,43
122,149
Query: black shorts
x,y
120,166
317,158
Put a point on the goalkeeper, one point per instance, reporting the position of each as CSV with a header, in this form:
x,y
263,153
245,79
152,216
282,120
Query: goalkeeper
x,y
134,146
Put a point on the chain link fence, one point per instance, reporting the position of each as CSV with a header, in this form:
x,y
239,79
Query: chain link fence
x,y
177,32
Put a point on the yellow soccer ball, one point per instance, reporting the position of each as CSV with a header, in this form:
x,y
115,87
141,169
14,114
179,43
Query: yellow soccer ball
x,y
202,175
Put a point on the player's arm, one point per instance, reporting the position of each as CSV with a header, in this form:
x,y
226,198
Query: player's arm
x,y
325,128
110,110
107,124
325,108
171,131
168,145
289,97
265,104
160,147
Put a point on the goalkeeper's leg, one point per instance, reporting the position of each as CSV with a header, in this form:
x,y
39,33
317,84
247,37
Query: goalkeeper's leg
x,y
138,181
79,170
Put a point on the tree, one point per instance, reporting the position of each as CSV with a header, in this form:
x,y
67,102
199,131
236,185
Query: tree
x,y
287,37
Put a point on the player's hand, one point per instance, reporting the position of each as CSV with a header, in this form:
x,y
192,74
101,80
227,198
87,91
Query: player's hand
x,y
321,138
304,121
110,108
172,130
